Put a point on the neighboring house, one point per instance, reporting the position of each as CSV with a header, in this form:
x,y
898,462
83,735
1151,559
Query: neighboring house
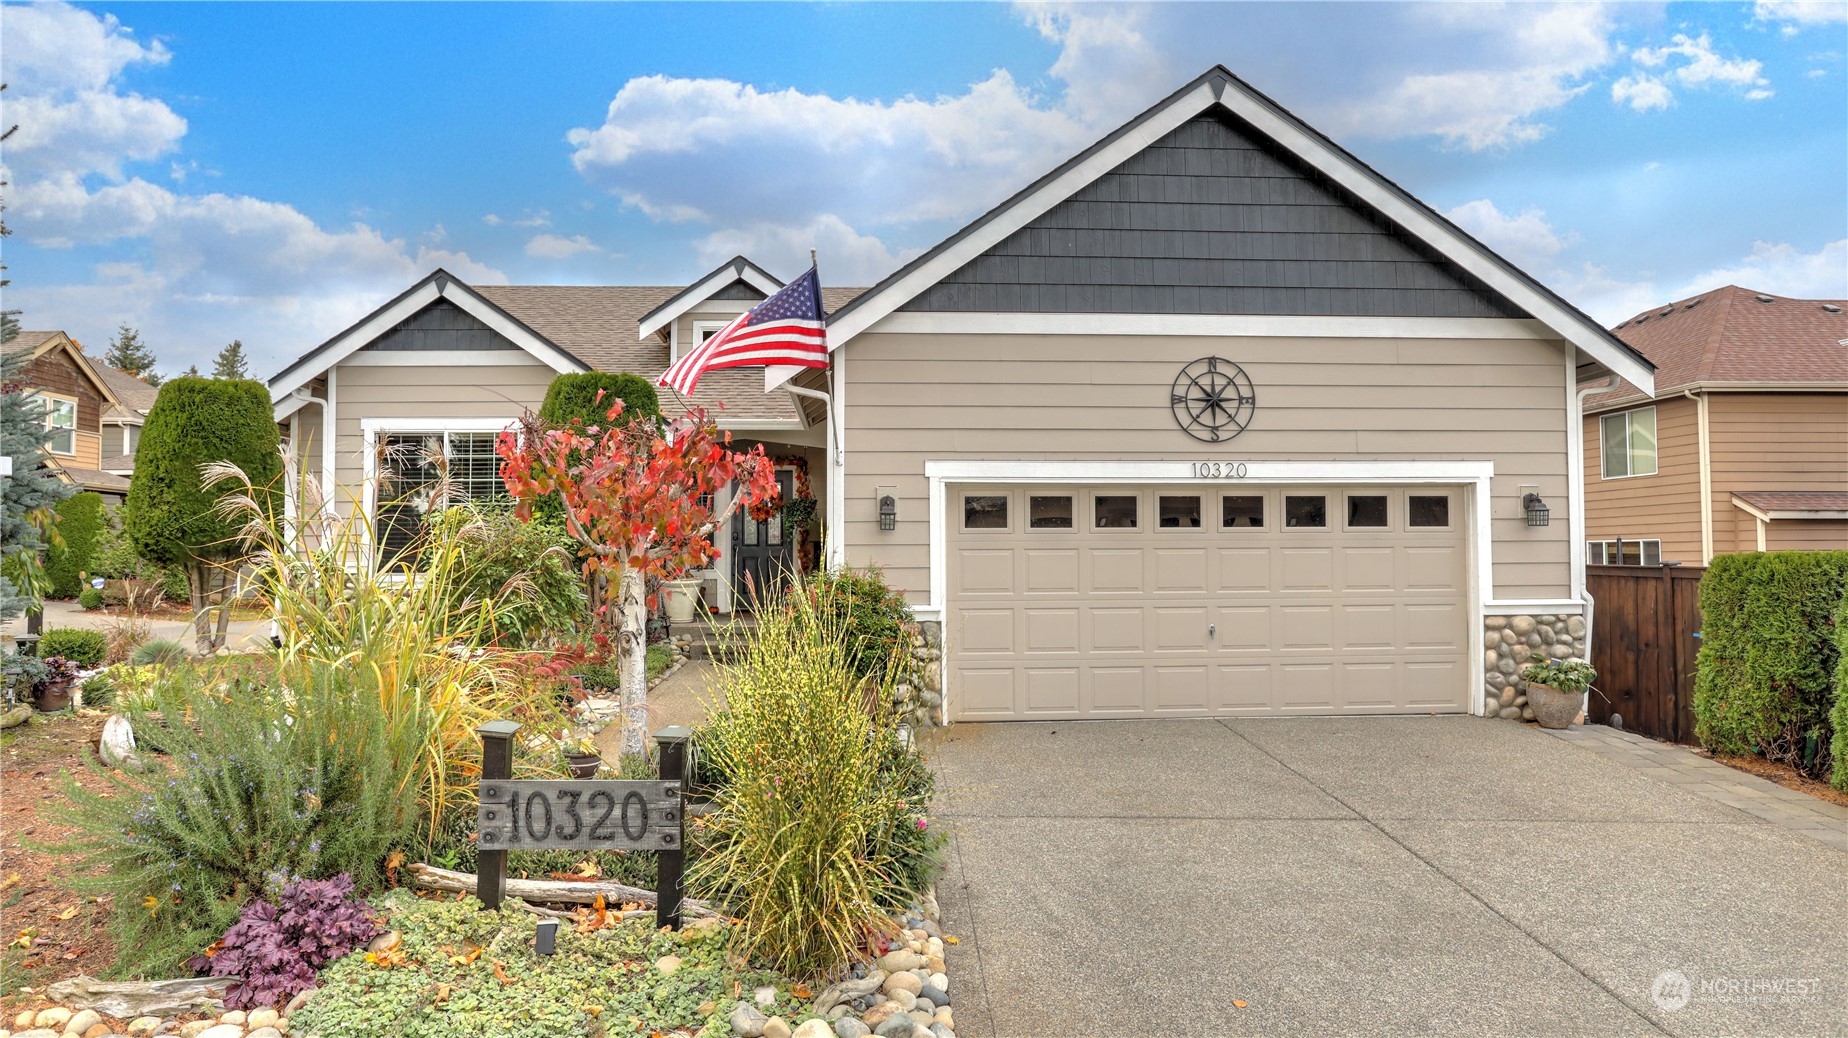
x,y
1745,446
122,423
77,395
1212,419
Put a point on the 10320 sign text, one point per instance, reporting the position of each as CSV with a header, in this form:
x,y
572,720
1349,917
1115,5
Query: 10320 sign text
x,y
623,815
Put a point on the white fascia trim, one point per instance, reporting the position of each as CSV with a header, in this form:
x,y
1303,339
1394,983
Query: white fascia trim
x,y
768,424
288,405
703,291
439,358
1572,327
1244,325
369,426
389,317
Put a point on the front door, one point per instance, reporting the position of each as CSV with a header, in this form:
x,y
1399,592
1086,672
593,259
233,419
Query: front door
x,y
763,555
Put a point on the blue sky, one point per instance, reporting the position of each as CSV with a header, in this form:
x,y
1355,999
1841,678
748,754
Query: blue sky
x,y
272,172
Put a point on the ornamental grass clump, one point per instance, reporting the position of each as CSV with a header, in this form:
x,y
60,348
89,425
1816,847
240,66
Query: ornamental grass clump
x,y
798,844
259,787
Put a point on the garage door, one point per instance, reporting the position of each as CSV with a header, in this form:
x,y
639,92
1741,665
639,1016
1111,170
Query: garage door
x,y
1071,602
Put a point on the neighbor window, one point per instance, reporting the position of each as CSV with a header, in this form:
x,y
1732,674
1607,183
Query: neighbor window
x,y
1049,513
985,511
1113,512
61,419
1366,510
1429,510
1305,511
1640,552
423,473
1241,510
1630,443
1181,513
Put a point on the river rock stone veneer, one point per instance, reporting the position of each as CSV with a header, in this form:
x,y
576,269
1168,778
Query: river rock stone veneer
x,y
1510,643
919,695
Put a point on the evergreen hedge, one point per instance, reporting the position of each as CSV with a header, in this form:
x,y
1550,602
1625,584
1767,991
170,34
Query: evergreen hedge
x,y
81,523
1769,653
575,396
170,517
1839,747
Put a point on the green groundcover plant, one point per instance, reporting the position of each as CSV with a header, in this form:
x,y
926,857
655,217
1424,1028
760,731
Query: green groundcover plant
x,y
261,787
458,970
1768,654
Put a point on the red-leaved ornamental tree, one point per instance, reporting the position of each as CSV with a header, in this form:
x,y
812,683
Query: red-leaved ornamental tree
x,y
638,496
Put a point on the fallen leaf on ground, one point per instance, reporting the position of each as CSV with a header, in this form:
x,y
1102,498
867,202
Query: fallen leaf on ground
x,y
469,955
69,913
500,973
947,939
801,991
11,881
1238,1003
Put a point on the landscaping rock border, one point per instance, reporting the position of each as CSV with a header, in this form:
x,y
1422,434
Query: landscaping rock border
x,y
919,694
1510,643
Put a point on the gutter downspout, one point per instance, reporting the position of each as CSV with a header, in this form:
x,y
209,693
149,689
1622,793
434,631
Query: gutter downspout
x,y
1576,436
1706,479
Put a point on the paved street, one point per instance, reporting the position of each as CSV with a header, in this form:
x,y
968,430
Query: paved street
x,y
1376,876
241,635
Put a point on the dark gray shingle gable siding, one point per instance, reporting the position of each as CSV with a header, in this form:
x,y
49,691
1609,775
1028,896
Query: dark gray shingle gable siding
x,y
1214,219
441,326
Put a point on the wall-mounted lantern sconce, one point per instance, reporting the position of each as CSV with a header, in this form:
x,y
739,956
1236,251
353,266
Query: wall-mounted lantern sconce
x,y
1537,512
888,511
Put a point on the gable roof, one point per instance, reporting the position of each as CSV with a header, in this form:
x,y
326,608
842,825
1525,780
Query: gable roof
x,y
440,284
135,397
1219,90
724,276
36,344
1739,336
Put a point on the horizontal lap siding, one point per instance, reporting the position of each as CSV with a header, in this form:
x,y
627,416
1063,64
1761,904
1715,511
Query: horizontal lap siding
x,y
1774,441
428,391
1665,505
941,397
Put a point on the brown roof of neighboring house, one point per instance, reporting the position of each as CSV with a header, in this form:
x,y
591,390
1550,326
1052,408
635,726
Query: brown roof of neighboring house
x,y
27,341
1795,500
600,325
1735,334
94,479
136,396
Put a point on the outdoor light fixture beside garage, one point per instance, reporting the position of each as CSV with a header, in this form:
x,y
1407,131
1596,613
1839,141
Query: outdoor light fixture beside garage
x,y
888,512
1537,512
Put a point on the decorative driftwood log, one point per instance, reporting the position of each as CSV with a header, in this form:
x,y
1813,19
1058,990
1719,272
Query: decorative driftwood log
x,y
127,999
555,891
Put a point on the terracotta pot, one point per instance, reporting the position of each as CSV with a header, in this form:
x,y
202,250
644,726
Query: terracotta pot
x,y
583,765
1553,708
55,696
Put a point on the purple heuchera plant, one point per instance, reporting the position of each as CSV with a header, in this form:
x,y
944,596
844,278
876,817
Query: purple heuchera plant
x,y
278,949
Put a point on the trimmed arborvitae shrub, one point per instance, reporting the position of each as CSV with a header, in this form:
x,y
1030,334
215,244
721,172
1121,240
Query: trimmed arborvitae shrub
x,y
90,598
1769,653
75,643
172,515
575,396
1839,749
81,522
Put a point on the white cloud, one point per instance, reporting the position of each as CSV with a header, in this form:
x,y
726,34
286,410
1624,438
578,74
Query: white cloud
x,y
207,268
1689,62
1110,67
530,218
1526,238
1777,268
847,257
552,246
1795,15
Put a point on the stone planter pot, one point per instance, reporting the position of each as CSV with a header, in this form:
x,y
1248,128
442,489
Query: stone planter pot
x,y
583,765
682,599
55,696
1553,708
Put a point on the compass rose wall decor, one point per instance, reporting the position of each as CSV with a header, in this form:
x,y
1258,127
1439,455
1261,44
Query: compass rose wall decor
x,y
1213,399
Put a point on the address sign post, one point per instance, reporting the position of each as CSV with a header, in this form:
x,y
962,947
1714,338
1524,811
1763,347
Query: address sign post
x,y
603,815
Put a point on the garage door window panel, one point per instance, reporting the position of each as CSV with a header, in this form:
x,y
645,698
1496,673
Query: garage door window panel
x,y
1050,512
1114,511
1179,512
1305,511
1241,511
985,512
1428,511
1367,512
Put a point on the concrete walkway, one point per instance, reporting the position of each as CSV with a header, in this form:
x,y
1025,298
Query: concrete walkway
x,y
1368,876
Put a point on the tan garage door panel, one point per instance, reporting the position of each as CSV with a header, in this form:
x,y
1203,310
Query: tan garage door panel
x,y
1193,601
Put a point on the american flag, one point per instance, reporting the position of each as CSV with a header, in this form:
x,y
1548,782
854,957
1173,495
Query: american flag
x,y
786,329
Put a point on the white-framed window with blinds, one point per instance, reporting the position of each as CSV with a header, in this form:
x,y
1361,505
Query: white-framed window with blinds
x,y
61,422
1646,551
1629,443
416,469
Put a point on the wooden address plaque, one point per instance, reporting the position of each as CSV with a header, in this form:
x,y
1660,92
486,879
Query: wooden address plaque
x,y
605,815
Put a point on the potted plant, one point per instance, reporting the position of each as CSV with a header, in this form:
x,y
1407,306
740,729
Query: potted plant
x,y
582,759
54,690
1556,690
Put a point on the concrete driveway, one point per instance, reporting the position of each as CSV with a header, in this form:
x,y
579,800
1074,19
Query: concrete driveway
x,y
1367,876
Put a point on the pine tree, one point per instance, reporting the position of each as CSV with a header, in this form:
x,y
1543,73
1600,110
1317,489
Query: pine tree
x,y
129,353
192,371
28,495
230,362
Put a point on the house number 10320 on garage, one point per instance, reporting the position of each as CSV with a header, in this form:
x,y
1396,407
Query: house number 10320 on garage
x,y
1218,469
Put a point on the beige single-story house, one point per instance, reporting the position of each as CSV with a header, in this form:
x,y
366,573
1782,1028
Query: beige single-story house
x,y
1211,420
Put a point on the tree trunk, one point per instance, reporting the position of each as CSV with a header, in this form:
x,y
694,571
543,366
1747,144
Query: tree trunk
x,y
226,576
196,576
632,657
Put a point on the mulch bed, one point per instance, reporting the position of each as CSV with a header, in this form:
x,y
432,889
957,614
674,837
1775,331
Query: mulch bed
x,y
1787,776
34,757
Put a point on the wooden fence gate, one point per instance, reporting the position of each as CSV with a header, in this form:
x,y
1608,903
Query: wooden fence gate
x,y
1644,638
